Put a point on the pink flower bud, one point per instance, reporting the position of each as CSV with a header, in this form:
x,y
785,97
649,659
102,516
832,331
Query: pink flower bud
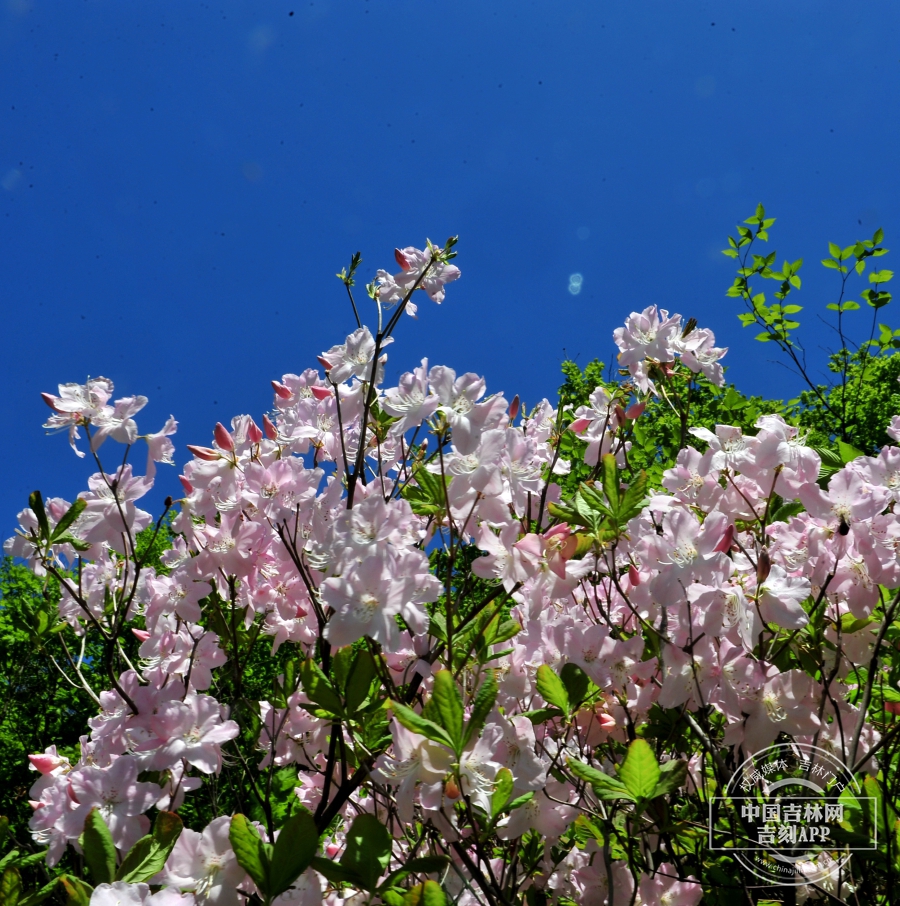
x,y
635,411
514,407
620,415
223,437
890,707
324,363
188,487
140,634
727,539
607,721
282,392
332,849
205,453
579,425
254,435
50,400
44,763
401,259
634,577
269,428
763,566
320,393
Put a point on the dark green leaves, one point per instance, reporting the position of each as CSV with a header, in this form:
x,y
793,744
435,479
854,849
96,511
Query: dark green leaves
x,y
10,887
448,705
99,849
320,691
368,850
605,787
275,868
293,852
148,856
552,688
421,725
481,708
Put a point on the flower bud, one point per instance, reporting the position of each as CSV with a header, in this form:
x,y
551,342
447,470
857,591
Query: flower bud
x,y
140,634
401,259
727,539
514,407
282,392
763,566
451,788
50,400
205,453
254,435
579,425
44,763
634,577
620,415
223,437
188,487
635,411
320,393
269,428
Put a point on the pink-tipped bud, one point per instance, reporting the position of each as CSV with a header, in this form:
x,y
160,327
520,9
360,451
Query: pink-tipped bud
x,y
282,392
254,434
332,849
269,428
727,540
324,363
514,407
607,721
620,415
634,577
50,400
579,425
140,634
892,707
223,437
635,411
320,393
188,487
205,453
451,788
44,763
401,259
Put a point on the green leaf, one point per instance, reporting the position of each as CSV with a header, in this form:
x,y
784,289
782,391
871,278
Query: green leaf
x,y
408,718
71,514
10,887
848,452
672,776
36,502
576,682
448,705
428,893
39,895
359,680
368,850
293,852
540,715
503,787
640,769
605,787
318,688
834,250
99,849
552,689
481,708
148,856
250,851
78,893
336,873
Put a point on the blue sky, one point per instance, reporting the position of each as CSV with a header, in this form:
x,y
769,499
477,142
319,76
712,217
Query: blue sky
x,y
179,182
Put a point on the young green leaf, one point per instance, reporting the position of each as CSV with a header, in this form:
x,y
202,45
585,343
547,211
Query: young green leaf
x,y
576,682
503,787
481,708
605,787
10,887
640,769
71,514
408,718
36,502
99,849
293,852
359,680
318,688
448,705
427,894
148,856
250,851
552,689
672,776
78,893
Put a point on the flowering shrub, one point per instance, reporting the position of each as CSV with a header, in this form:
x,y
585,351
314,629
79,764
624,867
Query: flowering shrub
x,y
417,644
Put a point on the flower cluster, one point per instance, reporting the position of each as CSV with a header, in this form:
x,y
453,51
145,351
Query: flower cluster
x,y
468,649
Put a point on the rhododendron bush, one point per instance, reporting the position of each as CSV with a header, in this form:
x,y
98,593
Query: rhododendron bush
x,y
421,644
